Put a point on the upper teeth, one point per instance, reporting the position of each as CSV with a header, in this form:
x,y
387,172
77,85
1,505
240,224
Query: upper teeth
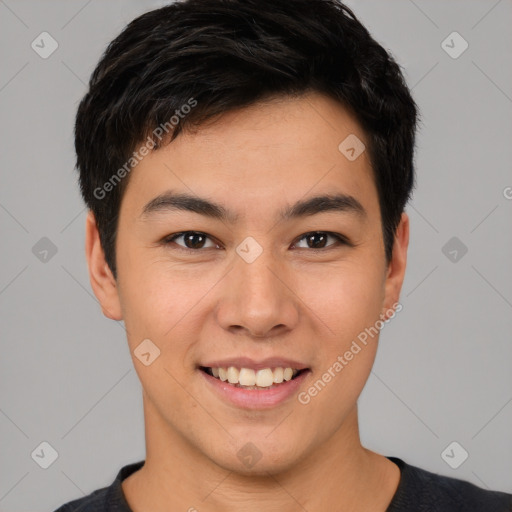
x,y
248,377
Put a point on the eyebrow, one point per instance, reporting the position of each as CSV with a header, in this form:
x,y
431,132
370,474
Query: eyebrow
x,y
172,201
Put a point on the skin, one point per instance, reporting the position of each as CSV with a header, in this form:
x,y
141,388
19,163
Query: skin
x,y
293,301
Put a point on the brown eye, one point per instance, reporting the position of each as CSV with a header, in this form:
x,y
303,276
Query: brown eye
x,y
318,240
193,240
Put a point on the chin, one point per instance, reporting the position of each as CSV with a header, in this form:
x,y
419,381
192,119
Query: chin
x,y
264,467
256,455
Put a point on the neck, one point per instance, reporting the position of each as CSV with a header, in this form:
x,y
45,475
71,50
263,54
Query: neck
x,y
339,475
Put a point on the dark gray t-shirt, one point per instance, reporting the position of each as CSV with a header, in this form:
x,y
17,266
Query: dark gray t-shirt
x,y
418,491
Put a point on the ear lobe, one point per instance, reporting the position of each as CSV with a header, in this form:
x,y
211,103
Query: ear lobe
x,y
101,278
396,267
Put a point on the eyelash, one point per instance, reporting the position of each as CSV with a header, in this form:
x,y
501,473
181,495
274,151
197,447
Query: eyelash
x,y
341,240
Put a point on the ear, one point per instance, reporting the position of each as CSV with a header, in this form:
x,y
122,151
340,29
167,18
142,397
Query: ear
x,y
396,268
101,278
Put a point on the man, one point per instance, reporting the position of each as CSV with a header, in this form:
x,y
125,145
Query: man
x,y
246,165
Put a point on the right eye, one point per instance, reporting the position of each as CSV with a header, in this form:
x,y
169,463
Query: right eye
x,y
192,240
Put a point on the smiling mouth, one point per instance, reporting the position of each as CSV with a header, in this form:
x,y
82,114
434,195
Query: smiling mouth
x,y
247,378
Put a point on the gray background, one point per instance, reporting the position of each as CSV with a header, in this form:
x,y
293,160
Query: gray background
x,y
443,368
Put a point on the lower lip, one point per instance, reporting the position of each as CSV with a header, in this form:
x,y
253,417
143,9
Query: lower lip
x,y
263,398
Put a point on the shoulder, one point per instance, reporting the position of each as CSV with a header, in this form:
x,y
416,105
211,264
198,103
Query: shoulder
x,y
423,491
106,499
94,502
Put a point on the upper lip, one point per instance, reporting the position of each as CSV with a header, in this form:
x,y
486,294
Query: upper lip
x,y
247,362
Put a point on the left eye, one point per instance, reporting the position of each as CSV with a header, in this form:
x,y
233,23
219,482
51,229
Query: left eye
x,y
318,239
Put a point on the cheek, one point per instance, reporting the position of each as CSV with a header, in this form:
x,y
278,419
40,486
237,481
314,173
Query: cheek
x,y
350,310
165,303
148,295
347,298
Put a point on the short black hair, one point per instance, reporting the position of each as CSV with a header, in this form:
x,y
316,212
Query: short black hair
x,y
214,56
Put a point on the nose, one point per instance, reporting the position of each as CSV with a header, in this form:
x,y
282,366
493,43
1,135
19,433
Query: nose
x,y
256,299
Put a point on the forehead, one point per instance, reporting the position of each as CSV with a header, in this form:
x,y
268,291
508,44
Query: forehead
x,y
271,153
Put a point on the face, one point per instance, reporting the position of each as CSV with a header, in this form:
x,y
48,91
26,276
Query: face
x,y
226,259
